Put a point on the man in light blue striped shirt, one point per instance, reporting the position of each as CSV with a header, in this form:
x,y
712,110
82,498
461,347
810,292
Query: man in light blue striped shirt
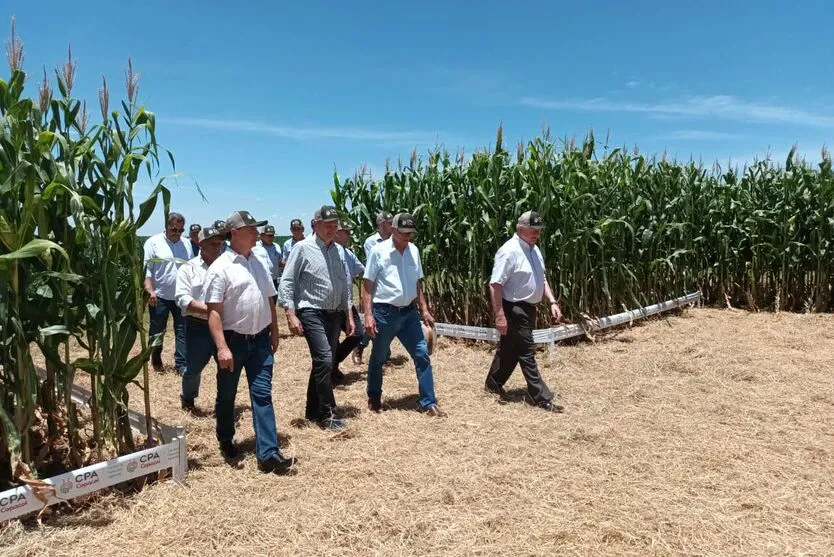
x,y
315,292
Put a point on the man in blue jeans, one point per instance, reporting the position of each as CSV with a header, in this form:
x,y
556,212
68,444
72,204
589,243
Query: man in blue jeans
x,y
164,253
392,291
189,296
241,315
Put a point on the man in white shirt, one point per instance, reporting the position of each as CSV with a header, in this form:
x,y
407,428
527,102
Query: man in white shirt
x,y
241,316
189,296
194,236
164,253
392,291
383,232
517,285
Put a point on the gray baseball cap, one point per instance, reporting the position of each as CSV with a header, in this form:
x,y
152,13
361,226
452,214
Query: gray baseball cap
x,y
210,232
384,216
404,223
531,219
242,219
326,213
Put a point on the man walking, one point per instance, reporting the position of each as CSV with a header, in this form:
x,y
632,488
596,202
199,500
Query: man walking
x,y
316,295
194,236
241,316
354,269
517,285
297,231
189,296
269,253
392,292
164,253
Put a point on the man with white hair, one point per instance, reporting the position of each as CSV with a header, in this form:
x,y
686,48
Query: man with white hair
x,y
517,285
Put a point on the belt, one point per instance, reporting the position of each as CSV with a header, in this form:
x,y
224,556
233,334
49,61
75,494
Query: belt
x,y
229,334
196,320
392,307
520,303
321,310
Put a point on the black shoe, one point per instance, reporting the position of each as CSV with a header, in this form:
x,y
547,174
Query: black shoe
x,y
276,464
550,406
187,405
332,424
375,405
337,377
494,388
228,449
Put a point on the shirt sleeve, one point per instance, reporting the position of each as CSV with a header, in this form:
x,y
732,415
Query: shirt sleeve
x,y
182,295
419,263
286,288
149,253
368,246
372,268
264,278
214,288
285,251
502,268
358,268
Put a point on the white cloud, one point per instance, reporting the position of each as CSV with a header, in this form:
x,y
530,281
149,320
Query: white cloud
x,y
704,135
716,106
312,132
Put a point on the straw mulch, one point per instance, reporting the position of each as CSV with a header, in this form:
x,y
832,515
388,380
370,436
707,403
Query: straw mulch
x,y
706,433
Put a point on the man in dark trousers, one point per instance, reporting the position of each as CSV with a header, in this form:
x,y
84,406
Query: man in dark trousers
x,y
315,292
354,269
517,285
241,316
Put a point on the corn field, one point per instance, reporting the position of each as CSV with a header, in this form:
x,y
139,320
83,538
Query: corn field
x,y
70,267
622,230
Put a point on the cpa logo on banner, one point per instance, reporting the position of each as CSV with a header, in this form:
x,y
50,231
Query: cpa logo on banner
x,y
12,502
65,487
131,466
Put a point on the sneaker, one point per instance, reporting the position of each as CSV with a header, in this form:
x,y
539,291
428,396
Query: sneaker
x,y
228,449
332,424
550,406
435,412
375,405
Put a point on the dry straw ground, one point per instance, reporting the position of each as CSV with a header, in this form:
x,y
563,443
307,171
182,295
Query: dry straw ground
x,y
705,433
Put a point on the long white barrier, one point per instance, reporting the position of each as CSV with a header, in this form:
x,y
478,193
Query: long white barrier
x,y
562,332
25,499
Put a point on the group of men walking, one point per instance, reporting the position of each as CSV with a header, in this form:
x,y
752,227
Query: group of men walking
x,y
222,288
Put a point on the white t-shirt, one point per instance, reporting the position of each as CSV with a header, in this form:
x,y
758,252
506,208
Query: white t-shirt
x,y
244,287
163,274
394,274
519,269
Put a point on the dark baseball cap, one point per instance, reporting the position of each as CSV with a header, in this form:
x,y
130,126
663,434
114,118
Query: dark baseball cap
x,y
219,224
404,223
195,227
326,213
345,226
242,219
296,223
531,219
269,229
384,216
210,232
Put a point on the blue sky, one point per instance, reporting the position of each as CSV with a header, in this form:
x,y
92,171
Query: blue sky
x,y
259,101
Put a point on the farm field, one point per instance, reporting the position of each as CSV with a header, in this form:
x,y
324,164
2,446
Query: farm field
x,y
708,432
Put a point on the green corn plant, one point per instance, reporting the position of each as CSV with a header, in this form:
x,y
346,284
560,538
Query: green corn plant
x,y
623,229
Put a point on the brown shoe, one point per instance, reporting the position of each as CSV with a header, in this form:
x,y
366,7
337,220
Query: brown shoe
x,y
435,412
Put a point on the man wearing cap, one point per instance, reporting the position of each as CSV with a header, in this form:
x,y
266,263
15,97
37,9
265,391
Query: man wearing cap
x,y
189,296
269,253
194,235
241,315
517,285
354,269
315,293
297,231
392,292
164,253
383,232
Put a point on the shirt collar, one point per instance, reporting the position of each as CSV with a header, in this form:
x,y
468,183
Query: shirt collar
x,y
524,245
321,243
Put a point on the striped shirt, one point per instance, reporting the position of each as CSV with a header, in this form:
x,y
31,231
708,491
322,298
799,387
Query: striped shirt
x,y
315,277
